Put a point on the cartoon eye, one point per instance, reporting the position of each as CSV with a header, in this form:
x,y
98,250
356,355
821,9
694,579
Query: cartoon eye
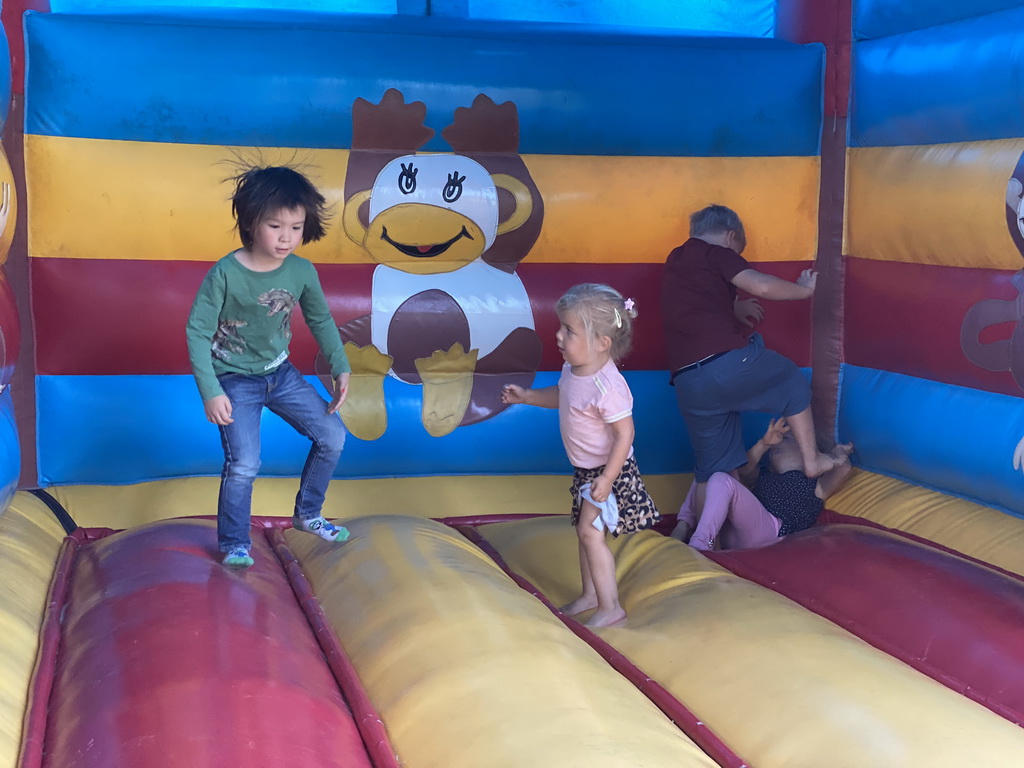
x,y
407,179
453,189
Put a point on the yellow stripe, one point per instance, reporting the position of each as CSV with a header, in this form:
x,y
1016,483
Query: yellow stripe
x,y
101,199
126,506
751,663
30,538
465,668
941,204
978,531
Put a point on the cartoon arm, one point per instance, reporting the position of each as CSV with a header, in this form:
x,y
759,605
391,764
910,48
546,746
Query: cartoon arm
x,y
489,133
995,355
1018,456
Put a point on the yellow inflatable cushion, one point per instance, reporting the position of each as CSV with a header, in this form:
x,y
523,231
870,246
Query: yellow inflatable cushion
x,y
467,669
30,538
980,532
781,686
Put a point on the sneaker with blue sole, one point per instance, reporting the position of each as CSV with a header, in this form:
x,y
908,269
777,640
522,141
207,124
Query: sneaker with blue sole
x,y
325,529
238,558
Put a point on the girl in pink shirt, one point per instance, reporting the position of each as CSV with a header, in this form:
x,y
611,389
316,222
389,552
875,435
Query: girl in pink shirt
x,y
595,413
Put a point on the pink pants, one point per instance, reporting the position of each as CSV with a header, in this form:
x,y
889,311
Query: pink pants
x,y
732,513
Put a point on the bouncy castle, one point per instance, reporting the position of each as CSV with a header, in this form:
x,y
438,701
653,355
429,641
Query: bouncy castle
x,y
880,142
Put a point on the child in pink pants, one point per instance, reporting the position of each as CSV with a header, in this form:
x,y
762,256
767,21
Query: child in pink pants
x,y
765,502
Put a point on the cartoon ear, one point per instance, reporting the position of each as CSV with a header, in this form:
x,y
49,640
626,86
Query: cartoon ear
x,y
1014,192
524,201
350,218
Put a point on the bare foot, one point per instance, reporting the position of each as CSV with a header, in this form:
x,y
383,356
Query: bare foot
x,y
579,605
821,464
606,618
681,531
841,451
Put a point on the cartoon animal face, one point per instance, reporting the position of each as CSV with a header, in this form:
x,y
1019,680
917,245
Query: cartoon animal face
x,y
435,213
1015,205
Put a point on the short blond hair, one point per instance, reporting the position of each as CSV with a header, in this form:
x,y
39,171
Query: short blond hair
x,y
603,312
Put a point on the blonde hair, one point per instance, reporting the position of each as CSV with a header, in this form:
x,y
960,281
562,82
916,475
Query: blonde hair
x,y
603,312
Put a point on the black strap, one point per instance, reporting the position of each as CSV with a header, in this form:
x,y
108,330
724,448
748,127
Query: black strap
x,y
59,512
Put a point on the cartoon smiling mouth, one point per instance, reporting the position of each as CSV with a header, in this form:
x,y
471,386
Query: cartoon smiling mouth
x,y
424,251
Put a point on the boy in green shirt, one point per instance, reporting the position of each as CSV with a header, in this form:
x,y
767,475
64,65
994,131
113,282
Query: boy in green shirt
x,y
238,333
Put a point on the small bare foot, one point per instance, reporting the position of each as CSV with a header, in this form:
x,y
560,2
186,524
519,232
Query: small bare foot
x,y
579,605
841,451
821,464
681,531
606,618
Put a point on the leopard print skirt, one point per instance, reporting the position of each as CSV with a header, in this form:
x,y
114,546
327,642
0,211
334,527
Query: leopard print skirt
x,y
636,507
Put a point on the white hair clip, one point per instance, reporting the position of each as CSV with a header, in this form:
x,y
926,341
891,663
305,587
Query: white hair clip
x,y
618,318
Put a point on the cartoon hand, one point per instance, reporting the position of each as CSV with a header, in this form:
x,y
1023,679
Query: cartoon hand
x,y
1014,192
484,127
748,311
392,124
1018,456
5,207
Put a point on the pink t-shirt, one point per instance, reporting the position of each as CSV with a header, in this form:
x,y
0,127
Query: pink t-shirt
x,y
586,407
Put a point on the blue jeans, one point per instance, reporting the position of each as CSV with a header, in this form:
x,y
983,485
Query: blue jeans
x,y
285,392
713,396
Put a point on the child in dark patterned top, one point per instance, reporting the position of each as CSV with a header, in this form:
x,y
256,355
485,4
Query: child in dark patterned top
x,y
765,502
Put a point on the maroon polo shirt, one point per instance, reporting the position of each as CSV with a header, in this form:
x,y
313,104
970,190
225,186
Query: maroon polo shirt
x,y
697,298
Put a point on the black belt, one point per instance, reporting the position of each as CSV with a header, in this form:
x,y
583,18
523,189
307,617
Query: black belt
x,y
698,364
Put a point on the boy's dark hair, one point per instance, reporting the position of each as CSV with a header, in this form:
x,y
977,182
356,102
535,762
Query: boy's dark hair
x,y
259,191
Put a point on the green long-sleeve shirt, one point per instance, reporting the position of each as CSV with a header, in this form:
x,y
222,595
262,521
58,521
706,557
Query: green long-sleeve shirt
x,y
241,321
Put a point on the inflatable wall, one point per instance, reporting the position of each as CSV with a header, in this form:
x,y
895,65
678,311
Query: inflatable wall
x,y
479,158
930,393
126,160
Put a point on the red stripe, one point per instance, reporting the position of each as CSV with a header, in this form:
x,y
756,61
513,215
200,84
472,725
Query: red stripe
x,y
230,658
906,318
368,720
824,21
676,711
925,607
121,316
33,736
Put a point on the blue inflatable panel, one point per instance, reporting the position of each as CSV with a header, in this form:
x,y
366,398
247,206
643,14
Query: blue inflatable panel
x,y
127,429
10,451
879,18
748,18
578,90
952,439
955,83
333,6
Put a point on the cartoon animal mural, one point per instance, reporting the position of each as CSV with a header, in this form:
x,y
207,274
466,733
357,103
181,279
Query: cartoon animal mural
x,y
448,310
1002,354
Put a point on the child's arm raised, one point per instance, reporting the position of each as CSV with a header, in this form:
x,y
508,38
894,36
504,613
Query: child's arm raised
x,y
777,428
765,286
623,432
513,394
